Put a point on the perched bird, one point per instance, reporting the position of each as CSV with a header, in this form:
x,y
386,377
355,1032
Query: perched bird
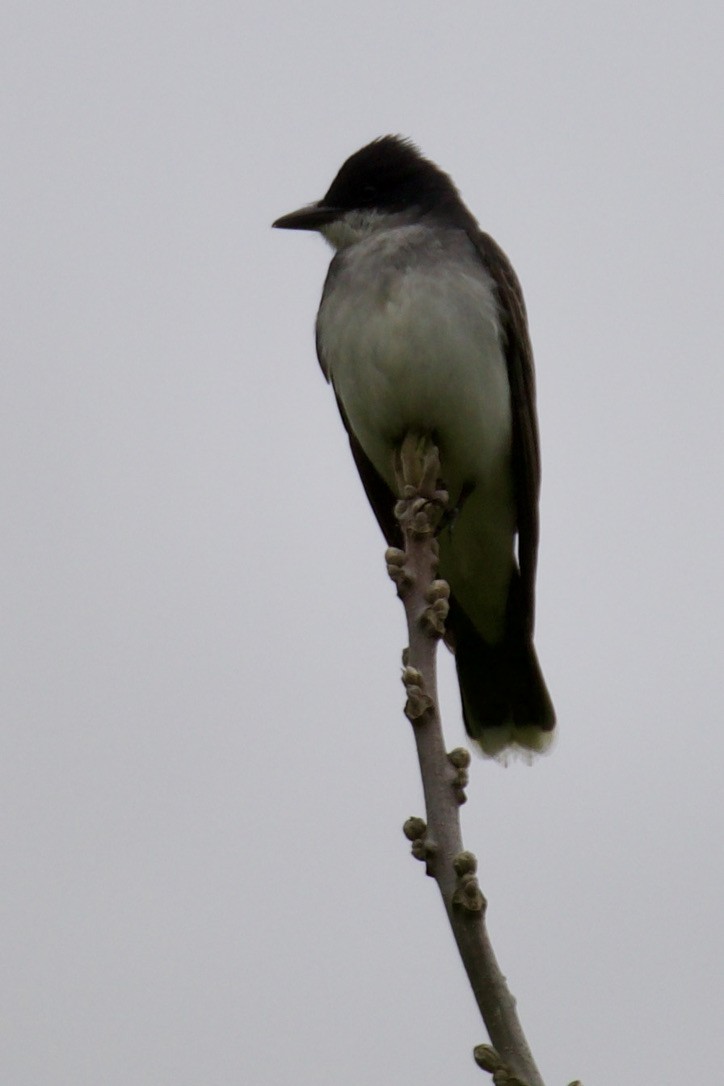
x,y
422,328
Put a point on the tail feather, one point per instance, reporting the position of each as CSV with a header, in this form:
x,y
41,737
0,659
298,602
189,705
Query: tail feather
x,y
505,700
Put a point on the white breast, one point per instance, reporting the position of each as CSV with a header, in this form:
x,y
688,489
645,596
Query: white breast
x,y
409,336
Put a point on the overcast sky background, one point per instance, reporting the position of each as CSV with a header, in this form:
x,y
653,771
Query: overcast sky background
x,y
204,763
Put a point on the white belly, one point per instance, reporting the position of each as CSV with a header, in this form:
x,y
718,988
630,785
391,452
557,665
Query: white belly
x,y
415,345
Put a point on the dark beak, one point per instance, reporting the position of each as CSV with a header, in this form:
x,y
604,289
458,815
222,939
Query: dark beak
x,y
308,218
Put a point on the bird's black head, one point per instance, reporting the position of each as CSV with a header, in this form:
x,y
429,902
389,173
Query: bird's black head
x,y
390,174
387,177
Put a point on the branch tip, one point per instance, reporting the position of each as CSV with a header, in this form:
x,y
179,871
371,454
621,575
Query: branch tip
x,y
417,464
420,517
417,474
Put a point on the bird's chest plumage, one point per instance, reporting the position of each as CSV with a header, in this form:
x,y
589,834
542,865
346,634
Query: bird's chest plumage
x,y
408,334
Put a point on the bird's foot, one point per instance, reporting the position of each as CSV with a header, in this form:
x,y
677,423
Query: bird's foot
x,y
450,515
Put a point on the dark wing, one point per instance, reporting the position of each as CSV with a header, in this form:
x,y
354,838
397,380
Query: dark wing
x,y
378,493
526,449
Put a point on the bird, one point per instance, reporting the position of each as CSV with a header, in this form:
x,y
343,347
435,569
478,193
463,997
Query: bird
x,y
422,329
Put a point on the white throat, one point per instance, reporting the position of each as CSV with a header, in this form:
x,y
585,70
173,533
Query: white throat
x,y
356,226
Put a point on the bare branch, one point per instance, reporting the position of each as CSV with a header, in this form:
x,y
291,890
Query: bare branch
x,y
438,841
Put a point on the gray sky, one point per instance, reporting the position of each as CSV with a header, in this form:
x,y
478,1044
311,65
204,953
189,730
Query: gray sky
x,y
204,763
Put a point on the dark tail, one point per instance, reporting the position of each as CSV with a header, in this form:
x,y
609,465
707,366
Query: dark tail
x,y
505,700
